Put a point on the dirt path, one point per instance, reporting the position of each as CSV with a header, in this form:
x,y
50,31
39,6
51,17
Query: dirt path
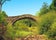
x,y
33,37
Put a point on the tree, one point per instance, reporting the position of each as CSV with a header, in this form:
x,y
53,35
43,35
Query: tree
x,y
46,21
52,31
3,17
1,3
3,23
53,5
44,9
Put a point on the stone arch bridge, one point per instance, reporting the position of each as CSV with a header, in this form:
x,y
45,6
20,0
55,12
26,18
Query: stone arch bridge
x,y
13,19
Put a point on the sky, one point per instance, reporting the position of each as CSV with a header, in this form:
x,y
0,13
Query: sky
x,y
20,7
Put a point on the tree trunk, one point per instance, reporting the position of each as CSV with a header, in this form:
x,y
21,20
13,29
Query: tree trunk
x,y
0,5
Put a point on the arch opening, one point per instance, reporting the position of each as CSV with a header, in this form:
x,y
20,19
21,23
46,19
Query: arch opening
x,y
25,22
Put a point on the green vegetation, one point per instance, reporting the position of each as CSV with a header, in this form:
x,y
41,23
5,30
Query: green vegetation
x,y
2,17
53,5
22,28
46,24
47,21
44,9
3,23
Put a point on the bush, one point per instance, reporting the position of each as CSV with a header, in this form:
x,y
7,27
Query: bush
x,y
46,21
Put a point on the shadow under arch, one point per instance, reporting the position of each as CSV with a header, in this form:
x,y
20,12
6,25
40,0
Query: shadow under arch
x,y
2,38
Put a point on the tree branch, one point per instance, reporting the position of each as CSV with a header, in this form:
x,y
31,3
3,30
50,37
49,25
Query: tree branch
x,y
3,2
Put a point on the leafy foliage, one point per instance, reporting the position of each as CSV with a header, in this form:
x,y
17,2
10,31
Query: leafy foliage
x,y
3,17
26,25
52,31
21,28
44,9
53,5
46,21
10,32
3,23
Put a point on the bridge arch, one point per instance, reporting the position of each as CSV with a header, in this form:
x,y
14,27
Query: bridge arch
x,y
14,19
22,19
